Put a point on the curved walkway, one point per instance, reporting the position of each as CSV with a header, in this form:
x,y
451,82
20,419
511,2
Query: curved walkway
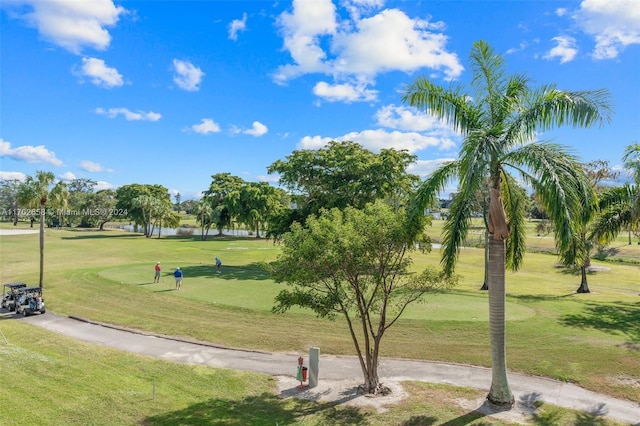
x,y
526,389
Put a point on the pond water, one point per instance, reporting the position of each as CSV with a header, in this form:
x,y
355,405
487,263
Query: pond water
x,y
184,231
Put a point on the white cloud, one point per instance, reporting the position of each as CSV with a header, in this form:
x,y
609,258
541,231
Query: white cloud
x,y
359,48
375,140
90,166
424,168
100,185
390,41
257,129
12,176
68,176
129,115
344,92
520,48
404,118
237,25
614,25
71,24
206,126
101,75
565,49
29,153
561,11
188,76
269,178
411,130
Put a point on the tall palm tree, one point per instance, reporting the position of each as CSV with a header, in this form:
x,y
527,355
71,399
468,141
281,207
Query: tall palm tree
x,y
499,120
34,193
620,206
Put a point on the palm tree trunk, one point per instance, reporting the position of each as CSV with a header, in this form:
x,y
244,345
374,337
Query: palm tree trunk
x,y
500,392
485,284
584,286
42,206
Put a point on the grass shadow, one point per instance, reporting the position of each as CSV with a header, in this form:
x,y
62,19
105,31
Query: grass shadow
x,y
85,236
422,420
540,297
252,271
265,409
612,318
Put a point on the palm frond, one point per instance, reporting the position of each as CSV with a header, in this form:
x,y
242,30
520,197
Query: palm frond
x,y
548,107
449,105
461,210
559,181
428,190
619,207
514,198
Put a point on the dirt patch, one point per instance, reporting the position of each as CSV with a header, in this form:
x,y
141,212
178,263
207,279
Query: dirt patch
x,y
347,392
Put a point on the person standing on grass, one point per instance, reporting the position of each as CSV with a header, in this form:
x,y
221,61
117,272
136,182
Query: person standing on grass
x,y
218,265
178,276
156,278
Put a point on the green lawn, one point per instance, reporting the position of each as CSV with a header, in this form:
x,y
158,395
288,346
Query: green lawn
x,y
50,379
590,339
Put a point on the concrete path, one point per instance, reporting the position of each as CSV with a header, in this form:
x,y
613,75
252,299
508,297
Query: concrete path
x,y
526,389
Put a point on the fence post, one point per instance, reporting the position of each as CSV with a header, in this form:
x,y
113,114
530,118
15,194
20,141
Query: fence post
x,y
314,366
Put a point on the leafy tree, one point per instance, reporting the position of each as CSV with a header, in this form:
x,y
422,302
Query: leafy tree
x,y
143,203
355,264
500,120
344,174
221,186
620,206
8,198
80,192
254,202
189,206
103,203
34,193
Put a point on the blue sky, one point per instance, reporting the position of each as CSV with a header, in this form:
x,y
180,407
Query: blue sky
x,y
170,93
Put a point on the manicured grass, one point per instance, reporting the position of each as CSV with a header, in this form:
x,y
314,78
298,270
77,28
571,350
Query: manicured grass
x,y
50,379
591,339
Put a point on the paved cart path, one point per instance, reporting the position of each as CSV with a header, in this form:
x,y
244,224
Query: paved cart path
x,y
334,369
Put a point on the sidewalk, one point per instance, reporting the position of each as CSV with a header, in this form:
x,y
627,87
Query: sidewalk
x,y
336,369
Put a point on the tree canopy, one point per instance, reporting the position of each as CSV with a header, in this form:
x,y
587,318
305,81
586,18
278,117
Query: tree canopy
x,y
344,174
355,263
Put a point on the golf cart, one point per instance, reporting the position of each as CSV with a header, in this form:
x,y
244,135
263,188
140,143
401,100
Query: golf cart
x,y
30,301
10,294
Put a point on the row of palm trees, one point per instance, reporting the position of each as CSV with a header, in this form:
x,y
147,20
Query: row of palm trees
x,y
500,119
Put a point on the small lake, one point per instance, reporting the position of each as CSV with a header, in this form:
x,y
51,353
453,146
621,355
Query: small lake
x,y
184,231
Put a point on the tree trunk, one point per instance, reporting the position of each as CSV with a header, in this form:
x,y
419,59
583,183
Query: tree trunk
x,y
500,393
42,206
485,284
584,286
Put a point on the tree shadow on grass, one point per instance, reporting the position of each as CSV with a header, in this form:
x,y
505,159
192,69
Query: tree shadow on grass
x,y
101,236
613,318
594,417
540,297
251,271
265,409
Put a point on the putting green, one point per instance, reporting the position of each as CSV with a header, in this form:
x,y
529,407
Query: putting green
x,y
251,288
